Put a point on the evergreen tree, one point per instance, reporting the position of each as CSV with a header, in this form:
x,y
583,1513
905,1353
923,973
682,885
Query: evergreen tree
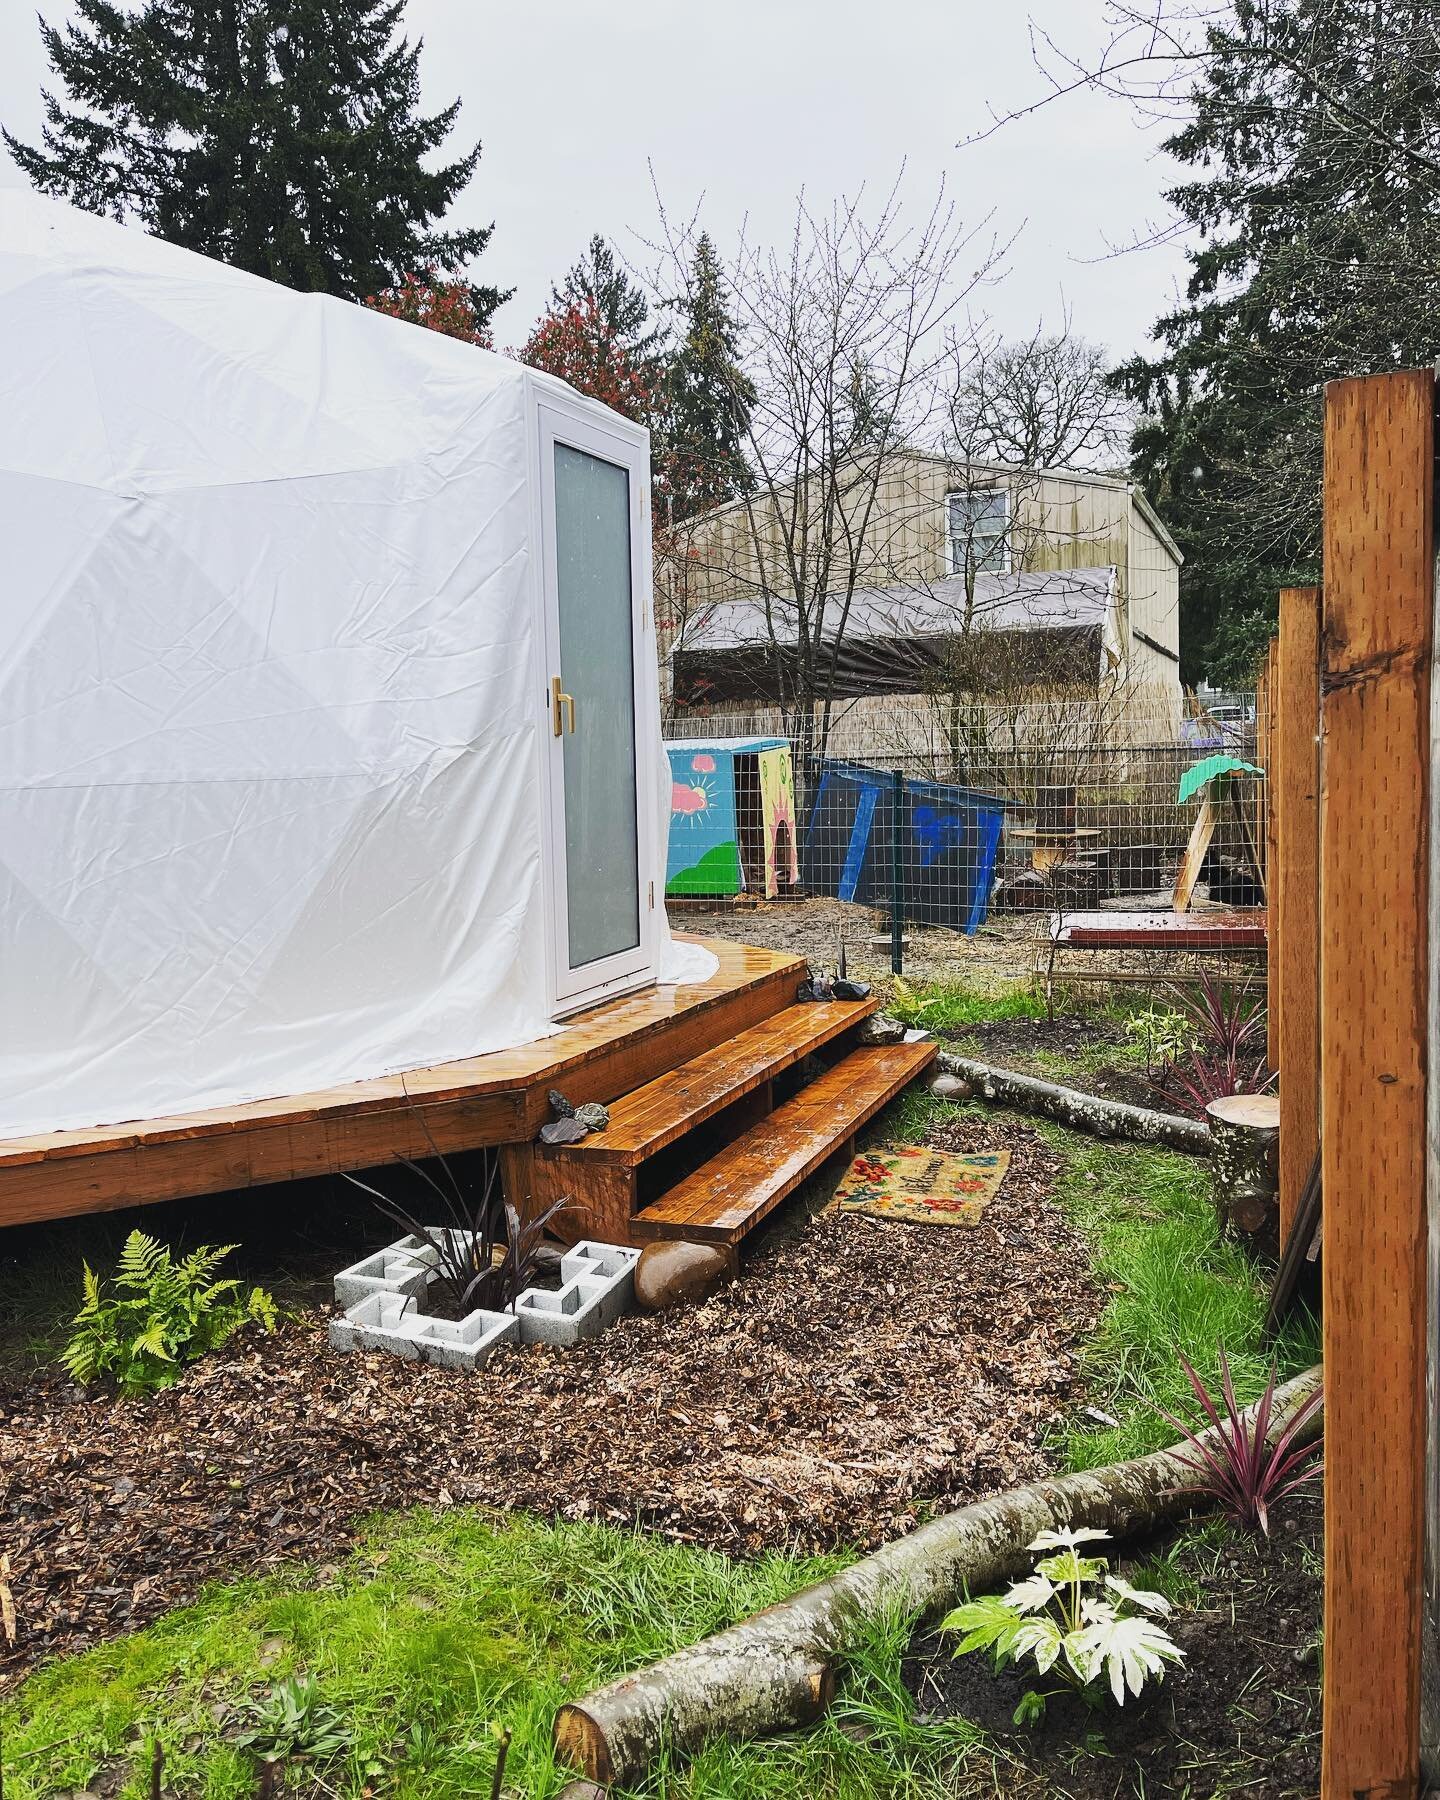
x,y
596,334
282,136
620,307
1315,251
709,399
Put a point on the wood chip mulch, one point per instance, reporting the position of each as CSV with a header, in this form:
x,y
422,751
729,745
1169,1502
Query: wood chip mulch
x,y
856,1374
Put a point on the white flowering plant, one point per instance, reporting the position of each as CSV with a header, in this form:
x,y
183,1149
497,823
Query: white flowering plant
x,y
1075,1621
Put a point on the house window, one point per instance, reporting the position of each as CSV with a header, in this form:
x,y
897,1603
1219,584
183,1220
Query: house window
x,y
979,530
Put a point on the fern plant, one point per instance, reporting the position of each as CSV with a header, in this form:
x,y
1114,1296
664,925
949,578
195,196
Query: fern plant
x,y
157,1314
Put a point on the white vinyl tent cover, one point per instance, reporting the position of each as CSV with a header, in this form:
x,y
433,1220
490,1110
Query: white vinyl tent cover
x,y
270,747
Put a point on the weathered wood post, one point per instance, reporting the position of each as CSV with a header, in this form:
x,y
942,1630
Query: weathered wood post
x,y
1374,992
1295,891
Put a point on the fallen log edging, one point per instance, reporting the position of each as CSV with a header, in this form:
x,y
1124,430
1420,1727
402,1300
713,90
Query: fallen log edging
x,y
1086,1112
772,1672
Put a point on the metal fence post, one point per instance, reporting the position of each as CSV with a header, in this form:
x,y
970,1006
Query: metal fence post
x,y
897,874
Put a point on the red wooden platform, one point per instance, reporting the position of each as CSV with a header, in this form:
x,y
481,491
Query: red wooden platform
x,y
1160,930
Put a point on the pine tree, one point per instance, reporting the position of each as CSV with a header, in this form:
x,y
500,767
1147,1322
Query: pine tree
x,y
282,136
623,312
1314,257
709,399
596,334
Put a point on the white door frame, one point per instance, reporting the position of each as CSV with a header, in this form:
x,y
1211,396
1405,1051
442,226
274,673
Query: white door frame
x,y
578,426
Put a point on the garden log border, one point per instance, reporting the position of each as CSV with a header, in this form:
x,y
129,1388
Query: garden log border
x,y
1085,1112
771,1672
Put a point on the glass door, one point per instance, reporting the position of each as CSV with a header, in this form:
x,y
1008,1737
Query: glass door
x,y
601,804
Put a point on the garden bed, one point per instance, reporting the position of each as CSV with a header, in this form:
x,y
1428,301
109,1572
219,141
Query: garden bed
x,y
1241,1715
856,1375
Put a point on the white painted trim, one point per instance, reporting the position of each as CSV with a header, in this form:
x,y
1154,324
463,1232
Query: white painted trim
x,y
1000,487
561,417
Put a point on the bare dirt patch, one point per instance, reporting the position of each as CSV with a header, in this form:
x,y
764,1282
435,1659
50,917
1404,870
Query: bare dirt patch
x,y
856,1376
1001,953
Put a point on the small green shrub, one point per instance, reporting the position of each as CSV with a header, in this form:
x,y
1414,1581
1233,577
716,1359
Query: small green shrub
x,y
158,1315
1162,1037
1081,1638
291,1720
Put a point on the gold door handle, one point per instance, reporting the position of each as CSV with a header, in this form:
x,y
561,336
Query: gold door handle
x,y
560,699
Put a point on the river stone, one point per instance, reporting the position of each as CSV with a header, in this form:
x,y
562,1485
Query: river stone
x,y
593,1116
560,1106
563,1131
672,1273
844,989
950,1087
880,1028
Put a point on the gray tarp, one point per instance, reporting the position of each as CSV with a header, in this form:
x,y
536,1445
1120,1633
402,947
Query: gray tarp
x,y
896,639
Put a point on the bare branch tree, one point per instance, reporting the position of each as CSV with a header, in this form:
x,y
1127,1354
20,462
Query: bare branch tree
x,y
1041,402
846,335
1152,52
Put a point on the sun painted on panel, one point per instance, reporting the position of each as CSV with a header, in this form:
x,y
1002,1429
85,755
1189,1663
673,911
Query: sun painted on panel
x,y
689,800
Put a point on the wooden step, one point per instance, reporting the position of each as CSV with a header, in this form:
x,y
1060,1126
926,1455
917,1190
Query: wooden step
x,y
735,1190
645,1121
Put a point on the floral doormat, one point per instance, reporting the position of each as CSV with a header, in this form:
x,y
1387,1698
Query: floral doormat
x,y
923,1186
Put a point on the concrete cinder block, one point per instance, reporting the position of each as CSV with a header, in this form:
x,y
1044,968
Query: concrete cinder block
x,y
383,1295
402,1268
390,1322
597,1284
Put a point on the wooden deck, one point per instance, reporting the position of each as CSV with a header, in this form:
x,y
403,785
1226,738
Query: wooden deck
x,y
499,1099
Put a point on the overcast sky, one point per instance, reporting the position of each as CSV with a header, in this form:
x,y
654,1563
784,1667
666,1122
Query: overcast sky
x,y
744,103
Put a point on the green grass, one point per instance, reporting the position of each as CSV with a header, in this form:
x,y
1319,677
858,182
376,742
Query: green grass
x,y
946,1007
1176,1285
437,1629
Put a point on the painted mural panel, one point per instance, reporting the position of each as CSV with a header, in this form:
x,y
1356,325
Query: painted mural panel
x,y
777,807
704,856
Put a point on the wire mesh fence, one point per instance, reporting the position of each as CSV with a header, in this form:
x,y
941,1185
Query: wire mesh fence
x,y
936,841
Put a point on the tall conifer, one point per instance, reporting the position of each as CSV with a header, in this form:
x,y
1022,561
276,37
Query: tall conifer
x,y
709,397
1314,252
283,136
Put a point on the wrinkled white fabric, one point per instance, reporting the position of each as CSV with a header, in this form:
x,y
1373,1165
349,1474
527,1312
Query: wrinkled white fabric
x,y
269,766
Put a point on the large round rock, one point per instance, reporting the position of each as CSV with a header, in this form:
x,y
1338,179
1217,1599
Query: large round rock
x,y
678,1274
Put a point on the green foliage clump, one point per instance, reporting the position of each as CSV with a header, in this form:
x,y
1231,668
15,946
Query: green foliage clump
x,y
1080,1637
292,1720
157,1315
1160,1035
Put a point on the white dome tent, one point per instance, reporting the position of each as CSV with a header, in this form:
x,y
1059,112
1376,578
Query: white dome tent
x,y
329,740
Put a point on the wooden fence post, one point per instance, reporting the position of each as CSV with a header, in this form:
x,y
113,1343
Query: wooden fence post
x,y
1378,611
1268,750
1295,890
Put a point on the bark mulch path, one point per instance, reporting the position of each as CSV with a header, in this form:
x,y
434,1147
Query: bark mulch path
x,y
856,1374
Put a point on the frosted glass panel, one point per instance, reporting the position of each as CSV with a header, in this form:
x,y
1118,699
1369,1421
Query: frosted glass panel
x,y
592,545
